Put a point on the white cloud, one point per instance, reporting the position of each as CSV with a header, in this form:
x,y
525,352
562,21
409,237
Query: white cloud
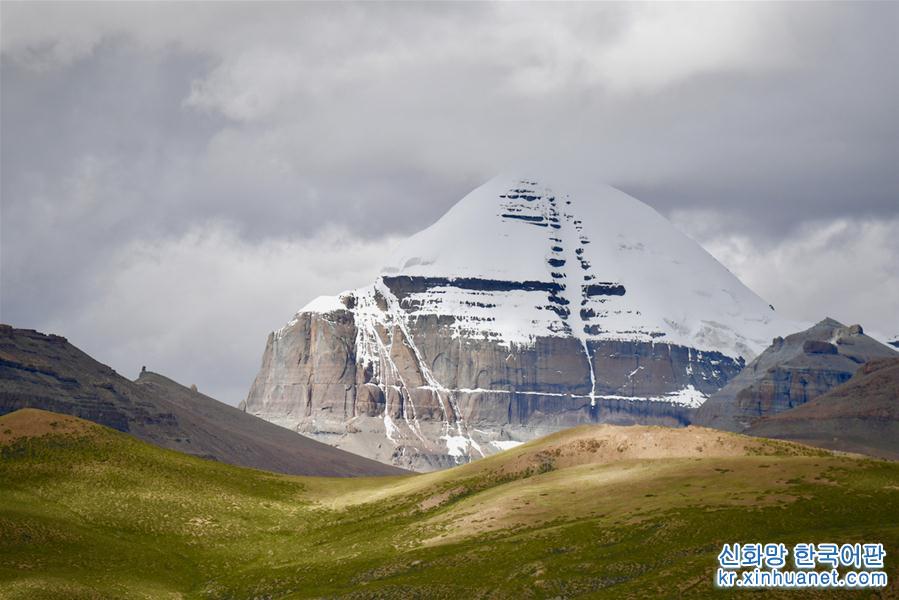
x,y
847,269
47,35
251,85
268,57
667,43
197,307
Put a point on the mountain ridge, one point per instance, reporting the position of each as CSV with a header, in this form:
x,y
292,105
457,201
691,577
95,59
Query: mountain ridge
x,y
792,371
47,372
860,415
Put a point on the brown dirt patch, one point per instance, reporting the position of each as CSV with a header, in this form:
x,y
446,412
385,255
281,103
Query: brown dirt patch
x,y
31,422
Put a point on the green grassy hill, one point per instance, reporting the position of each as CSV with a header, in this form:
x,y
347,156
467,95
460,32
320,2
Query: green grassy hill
x,y
88,512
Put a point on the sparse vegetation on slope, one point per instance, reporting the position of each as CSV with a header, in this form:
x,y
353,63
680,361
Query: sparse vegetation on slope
x,y
47,372
602,511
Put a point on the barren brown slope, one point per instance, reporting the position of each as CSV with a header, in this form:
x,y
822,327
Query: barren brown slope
x,y
862,415
47,372
32,422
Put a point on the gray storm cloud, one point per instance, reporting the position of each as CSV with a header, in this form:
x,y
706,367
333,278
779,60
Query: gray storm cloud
x,y
178,178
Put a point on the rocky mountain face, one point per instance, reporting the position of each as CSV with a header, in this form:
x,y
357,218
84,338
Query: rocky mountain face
x,y
861,415
524,310
47,372
790,373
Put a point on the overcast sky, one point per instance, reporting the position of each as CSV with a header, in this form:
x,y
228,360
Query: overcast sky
x,y
178,179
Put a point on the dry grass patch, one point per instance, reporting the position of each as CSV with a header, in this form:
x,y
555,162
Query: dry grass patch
x,y
31,422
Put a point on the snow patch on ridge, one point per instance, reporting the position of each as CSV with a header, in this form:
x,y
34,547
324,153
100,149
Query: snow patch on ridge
x,y
688,396
505,444
457,446
320,305
324,304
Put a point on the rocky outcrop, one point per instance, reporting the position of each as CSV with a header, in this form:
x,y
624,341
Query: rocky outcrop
x,y
790,373
524,310
861,415
405,391
47,372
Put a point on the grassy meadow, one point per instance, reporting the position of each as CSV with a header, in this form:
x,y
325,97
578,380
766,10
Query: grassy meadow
x,y
596,511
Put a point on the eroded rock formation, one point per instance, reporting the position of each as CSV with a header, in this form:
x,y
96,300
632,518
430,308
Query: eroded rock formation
x,y
523,311
791,372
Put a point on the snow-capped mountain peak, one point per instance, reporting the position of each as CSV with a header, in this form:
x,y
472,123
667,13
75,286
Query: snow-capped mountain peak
x,y
528,307
589,262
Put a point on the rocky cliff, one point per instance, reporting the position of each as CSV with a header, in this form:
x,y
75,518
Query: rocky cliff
x,y
860,415
791,372
526,309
